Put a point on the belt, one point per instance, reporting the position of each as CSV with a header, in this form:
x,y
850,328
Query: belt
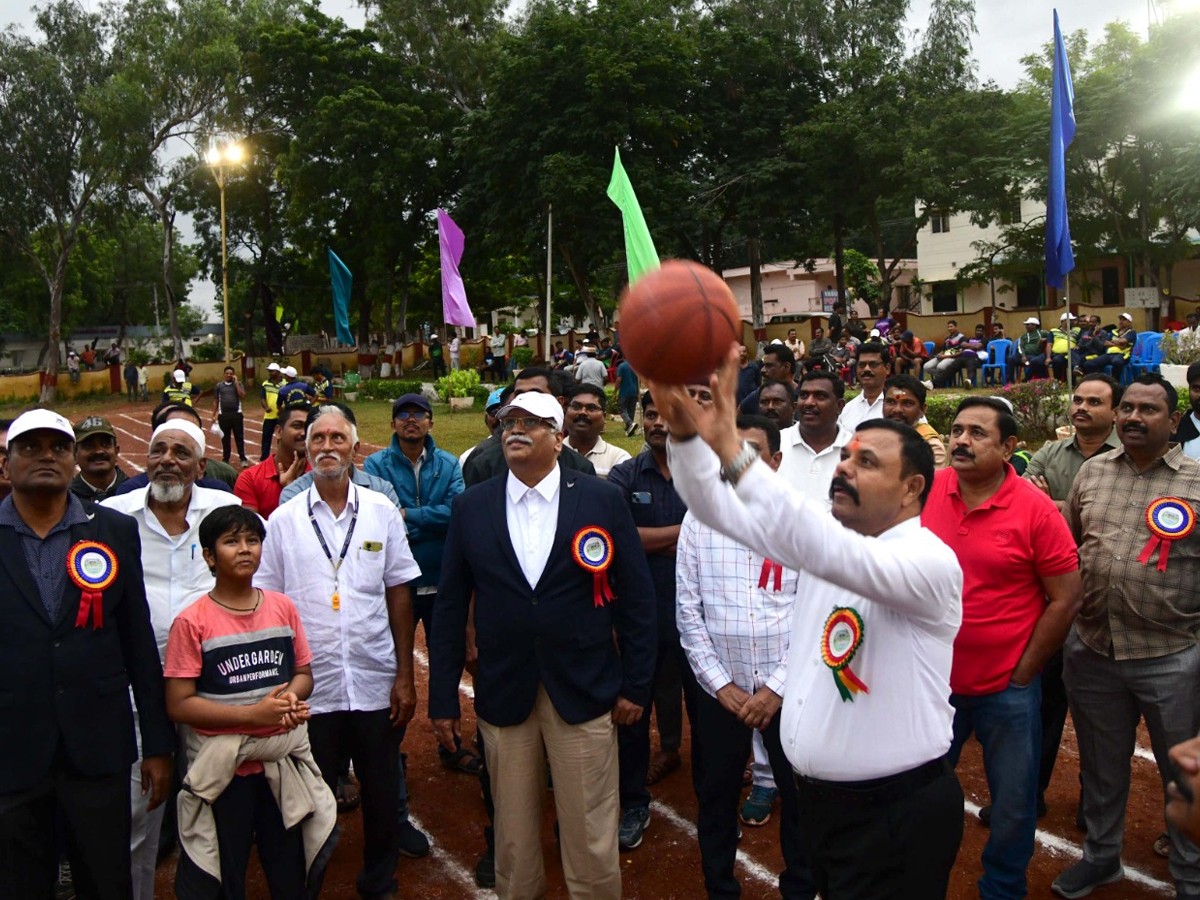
x,y
876,791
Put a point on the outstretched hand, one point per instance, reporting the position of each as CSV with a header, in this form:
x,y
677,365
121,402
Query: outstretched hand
x,y
716,422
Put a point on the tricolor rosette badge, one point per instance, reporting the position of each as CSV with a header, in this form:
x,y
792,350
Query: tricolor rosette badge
x,y
840,639
592,548
1169,519
92,567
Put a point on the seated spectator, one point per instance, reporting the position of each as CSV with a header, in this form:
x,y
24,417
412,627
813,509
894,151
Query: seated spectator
x,y
910,354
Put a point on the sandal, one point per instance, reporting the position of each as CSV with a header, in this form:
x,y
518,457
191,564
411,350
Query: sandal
x,y
661,766
462,760
348,798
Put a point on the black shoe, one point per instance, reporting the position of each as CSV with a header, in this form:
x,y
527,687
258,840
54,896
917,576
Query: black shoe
x,y
411,842
1084,877
485,869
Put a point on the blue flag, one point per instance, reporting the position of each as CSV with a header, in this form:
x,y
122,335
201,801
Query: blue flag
x,y
1059,258
342,280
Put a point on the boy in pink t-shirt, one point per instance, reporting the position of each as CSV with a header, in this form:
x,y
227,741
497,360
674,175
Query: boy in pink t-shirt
x,y
237,662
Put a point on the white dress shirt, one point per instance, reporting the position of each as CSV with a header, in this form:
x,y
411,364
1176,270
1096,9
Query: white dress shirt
x,y
354,657
859,410
732,630
603,456
905,584
532,514
1192,448
173,566
808,471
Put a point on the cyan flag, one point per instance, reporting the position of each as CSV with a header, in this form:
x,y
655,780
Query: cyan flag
x,y
342,280
1059,258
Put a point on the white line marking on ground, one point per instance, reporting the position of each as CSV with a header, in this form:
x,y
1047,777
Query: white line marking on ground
x,y
1063,847
758,872
452,866
1142,753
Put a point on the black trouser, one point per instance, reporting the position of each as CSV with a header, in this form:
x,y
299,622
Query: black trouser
x,y
668,700
887,839
720,747
439,366
373,745
633,741
96,811
232,424
268,433
1054,718
246,815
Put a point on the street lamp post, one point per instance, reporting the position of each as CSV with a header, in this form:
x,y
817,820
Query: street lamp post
x,y
220,156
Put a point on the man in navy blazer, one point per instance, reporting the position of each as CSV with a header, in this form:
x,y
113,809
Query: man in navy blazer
x,y
75,634
566,632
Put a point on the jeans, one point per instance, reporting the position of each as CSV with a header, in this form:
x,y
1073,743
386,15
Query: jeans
x,y
1037,366
628,408
1009,728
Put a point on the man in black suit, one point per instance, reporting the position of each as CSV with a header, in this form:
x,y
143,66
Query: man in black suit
x,y
75,633
557,572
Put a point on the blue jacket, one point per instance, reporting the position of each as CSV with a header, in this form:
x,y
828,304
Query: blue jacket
x,y
426,505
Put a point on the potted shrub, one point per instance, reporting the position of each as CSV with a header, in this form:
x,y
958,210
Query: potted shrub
x,y
1177,354
458,388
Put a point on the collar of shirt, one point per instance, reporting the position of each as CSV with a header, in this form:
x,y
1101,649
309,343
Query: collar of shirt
x,y
599,448
644,462
198,505
351,498
547,487
1112,442
72,515
1173,457
1002,498
840,440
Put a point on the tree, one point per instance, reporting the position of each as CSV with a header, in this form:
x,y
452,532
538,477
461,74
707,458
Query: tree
x,y
57,146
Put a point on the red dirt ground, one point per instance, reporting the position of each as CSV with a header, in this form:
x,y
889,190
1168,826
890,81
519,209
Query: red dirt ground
x,y
667,865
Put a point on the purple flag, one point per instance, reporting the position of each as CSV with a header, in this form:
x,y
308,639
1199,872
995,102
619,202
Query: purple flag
x,y
454,295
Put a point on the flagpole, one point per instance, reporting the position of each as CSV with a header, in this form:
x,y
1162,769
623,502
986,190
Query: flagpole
x,y
1070,340
549,272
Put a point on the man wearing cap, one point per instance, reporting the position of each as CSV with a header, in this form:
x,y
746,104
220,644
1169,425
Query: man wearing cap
x,y
180,389
494,401
217,475
73,367
1032,347
296,388
268,396
72,643
560,581
1063,341
96,453
168,513
590,370
227,414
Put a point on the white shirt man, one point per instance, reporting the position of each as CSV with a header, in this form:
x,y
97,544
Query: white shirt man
x,y
455,350
168,511
807,470
590,370
859,410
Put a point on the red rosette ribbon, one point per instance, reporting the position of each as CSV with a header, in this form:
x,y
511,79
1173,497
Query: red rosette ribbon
x,y
1169,519
92,567
592,549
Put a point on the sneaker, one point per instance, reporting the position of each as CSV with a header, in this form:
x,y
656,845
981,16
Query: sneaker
x,y
411,842
245,463
631,429
1162,845
757,808
64,885
633,825
1084,877
485,869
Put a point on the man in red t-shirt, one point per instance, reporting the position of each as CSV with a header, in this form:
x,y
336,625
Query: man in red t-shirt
x,y
260,486
1021,591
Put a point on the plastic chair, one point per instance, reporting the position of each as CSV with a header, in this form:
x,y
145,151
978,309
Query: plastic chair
x,y
1150,356
999,351
929,345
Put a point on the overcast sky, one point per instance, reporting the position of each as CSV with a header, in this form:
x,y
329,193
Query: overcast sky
x,y
1007,30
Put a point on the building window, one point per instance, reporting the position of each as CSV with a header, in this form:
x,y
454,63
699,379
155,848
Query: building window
x,y
1010,214
945,296
1110,286
939,219
1029,292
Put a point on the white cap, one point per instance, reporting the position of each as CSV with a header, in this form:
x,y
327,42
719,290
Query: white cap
x,y
191,429
1033,320
1065,316
39,420
533,403
180,376
290,371
1126,316
874,332
274,367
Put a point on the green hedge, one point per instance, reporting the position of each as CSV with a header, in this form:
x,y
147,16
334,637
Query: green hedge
x,y
387,388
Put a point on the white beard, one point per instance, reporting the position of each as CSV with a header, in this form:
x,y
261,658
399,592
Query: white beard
x,y
167,493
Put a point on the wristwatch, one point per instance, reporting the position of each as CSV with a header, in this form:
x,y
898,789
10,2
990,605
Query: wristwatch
x,y
739,464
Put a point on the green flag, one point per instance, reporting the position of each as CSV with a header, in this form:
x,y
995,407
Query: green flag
x,y
640,255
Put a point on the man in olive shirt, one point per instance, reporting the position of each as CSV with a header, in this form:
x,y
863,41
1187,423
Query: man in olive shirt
x,y
1031,347
1133,650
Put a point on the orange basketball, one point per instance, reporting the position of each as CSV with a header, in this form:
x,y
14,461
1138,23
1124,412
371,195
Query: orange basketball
x,y
677,323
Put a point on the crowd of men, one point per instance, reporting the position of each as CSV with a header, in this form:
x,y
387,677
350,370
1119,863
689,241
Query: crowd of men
x,y
838,597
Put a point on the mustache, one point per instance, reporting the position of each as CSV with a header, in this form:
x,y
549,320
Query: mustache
x,y
328,454
521,439
1133,426
962,453
839,483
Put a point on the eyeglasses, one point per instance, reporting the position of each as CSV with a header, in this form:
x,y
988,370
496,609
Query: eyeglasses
x,y
527,423
417,415
869,364
584,407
